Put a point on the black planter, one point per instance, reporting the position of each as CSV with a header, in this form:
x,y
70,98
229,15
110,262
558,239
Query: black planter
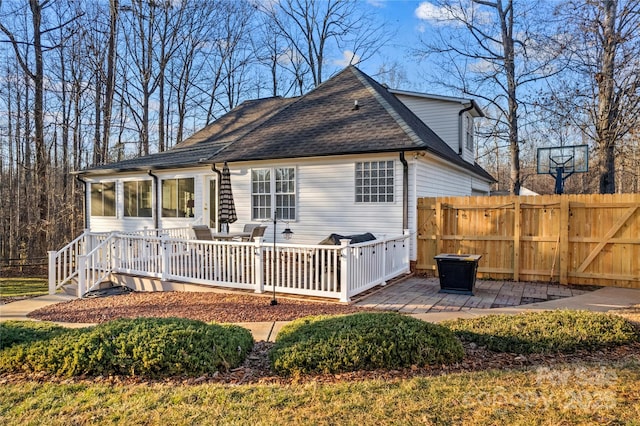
x,y
457,272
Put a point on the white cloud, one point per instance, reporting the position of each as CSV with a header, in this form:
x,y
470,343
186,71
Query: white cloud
x,y
451,15
377,3
430,12
348,58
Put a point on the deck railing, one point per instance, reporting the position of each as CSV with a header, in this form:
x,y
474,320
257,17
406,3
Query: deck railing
x,y
338,272
63,264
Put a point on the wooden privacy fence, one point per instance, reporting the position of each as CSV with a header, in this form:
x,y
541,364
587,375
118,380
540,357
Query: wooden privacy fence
x,y
571,239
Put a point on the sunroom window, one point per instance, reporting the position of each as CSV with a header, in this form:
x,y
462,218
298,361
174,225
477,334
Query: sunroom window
x,y
137,198
103,199
273,187
178,197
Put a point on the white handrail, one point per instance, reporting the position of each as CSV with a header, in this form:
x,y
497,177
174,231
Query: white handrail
x,y
334,271
96,266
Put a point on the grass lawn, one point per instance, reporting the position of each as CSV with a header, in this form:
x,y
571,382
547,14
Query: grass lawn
x,y
566,394
23,287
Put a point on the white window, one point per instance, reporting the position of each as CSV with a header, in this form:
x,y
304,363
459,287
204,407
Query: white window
x,y
273,187
374,182
137,198
469,132
103,199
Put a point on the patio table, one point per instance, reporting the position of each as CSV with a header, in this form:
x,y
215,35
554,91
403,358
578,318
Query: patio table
x,y
224,236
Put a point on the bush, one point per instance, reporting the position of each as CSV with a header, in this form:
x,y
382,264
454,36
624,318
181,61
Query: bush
x,y
153,347
545,332
16,332
364,341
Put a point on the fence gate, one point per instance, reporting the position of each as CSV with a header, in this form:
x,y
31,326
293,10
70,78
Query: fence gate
x,y
571,239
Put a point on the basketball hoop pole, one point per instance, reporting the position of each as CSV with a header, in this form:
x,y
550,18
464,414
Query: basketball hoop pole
x,y
560,178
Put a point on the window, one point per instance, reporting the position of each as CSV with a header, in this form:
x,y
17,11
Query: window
x,y
273,187
137,198
374,182
469,132
177,197
103,199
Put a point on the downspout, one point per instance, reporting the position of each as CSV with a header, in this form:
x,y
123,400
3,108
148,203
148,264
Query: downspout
x,y
462,111
156,188
84,201
219,173
405,191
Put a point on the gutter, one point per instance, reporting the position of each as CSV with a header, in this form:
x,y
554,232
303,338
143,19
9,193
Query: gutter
x,y
219,173
84,199
405,191
156,188
462,111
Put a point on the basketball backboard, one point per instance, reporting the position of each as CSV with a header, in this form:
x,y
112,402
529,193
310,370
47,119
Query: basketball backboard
x,y
564,159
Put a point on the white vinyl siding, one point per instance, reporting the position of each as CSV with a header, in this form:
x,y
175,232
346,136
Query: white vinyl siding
x,y
441,117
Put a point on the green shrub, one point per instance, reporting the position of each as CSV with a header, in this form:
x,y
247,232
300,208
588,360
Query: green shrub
x,y
545,332
153,347
16,332
365,341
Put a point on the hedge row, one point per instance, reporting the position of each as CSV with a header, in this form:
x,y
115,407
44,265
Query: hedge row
x,y
321,344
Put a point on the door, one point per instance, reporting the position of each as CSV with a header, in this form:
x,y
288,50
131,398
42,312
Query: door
x,y
210,204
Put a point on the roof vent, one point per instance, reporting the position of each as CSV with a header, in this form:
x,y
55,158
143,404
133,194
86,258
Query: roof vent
x,y
355,105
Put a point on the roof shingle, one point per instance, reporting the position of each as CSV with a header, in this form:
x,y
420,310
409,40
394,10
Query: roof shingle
x,y
323,122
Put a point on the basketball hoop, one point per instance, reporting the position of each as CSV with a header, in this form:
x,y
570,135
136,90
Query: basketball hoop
x,y
563,161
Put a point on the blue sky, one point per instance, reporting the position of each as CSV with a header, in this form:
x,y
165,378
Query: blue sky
x,y
400,15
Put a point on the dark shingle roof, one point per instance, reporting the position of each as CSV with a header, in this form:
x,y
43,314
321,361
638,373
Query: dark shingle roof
x,y
323,122
206,142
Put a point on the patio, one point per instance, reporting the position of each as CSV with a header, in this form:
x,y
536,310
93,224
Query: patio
x,y
419,295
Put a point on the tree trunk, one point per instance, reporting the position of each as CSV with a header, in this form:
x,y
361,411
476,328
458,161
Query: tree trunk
x,y
111,78
605,123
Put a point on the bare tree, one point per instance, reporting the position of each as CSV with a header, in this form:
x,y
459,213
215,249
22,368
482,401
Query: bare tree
x,y
602,42
313,29
492,49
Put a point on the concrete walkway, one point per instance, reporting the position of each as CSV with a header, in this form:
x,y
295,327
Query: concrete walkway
x,y
600,300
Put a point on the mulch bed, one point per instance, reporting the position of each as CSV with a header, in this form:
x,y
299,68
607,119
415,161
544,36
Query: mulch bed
x,y
203,306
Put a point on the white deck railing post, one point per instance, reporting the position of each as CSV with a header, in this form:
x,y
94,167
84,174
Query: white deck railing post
x,y
82,275
88,245
52,272
258,276
345,270
407,251
165,258
112,252
383,237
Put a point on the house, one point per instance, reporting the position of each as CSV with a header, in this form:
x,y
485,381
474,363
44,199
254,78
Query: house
x,y
349,157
